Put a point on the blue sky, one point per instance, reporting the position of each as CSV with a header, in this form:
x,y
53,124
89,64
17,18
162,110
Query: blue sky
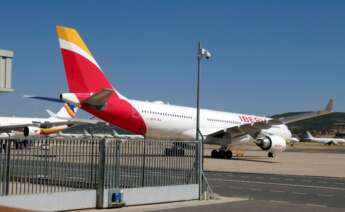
x,y
269,56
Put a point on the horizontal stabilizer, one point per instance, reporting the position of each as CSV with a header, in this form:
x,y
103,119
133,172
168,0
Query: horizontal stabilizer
x,y
44,98
99,99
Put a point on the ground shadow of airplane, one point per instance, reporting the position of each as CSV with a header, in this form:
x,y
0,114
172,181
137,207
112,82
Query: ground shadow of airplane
x,y
258,159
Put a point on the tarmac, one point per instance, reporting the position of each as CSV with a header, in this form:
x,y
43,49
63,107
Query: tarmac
x,y
327,192
303,159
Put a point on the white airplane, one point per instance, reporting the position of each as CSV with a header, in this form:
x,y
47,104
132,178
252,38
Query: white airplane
x,y
25,126
326,141
90,90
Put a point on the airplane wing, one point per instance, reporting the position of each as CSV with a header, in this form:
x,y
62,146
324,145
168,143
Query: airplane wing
x,y
72,121
61,120
7,128
290,119
51,99
47,124
254,129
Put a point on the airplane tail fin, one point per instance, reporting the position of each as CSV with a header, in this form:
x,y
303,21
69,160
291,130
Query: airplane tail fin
x,y
115,133
309,135
67,111
83,73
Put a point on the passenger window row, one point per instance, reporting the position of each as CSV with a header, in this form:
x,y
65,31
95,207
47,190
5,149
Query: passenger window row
x,y
166,114
223,121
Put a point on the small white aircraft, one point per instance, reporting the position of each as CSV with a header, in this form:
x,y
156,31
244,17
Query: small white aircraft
x,y
26,126
326,141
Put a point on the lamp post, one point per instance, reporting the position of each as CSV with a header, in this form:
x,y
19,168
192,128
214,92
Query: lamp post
x,y
198,94
202,53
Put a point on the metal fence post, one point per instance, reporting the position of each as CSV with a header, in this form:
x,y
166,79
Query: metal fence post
x,y
100,174
7,182
117,163
143,172
46,149
199,165
92,160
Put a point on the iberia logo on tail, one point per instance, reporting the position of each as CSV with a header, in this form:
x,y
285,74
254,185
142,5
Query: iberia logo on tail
x,y
76,56
90,89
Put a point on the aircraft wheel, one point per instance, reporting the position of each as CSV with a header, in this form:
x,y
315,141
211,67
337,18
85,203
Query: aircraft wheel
x,y
222,154
228,154
214,154
270,155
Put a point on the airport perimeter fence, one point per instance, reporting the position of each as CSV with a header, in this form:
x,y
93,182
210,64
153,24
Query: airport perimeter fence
x,y
47,165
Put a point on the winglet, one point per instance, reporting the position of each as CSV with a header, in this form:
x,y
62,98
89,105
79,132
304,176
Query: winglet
x,y
51,114
309,135
329,106
328,109
115,133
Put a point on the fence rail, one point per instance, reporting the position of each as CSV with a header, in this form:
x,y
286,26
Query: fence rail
x,y
45,165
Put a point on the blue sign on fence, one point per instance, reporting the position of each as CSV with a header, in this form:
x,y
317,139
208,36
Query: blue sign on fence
x,y
116,197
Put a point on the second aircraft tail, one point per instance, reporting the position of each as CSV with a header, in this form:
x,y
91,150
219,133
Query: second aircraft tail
x,y
309,135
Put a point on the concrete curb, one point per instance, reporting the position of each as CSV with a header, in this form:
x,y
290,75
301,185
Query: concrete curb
x,y
173,205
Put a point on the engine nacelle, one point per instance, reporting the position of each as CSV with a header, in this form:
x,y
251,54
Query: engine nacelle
x,y
31,131
271,143
70,98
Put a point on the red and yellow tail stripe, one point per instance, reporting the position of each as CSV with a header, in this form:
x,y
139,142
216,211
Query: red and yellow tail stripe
x,y
69,39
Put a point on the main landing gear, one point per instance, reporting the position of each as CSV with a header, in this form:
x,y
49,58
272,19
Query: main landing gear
x,y
270,154
223,153
178,149
21,144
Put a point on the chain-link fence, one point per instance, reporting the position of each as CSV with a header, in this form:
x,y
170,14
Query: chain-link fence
x,y
44,165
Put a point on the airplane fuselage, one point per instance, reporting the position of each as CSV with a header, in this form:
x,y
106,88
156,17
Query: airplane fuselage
x,y
164,121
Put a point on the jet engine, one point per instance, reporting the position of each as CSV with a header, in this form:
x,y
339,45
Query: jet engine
x,y
31,131
271,143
